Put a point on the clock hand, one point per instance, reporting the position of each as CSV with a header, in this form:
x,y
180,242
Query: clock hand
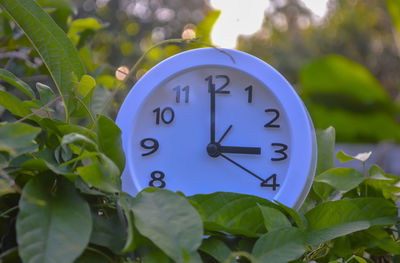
x,y
240,166
211,89
225,133
239,149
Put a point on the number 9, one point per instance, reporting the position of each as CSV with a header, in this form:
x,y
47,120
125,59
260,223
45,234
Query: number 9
x,y
153,145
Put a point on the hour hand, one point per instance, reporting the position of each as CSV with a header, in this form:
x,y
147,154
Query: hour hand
x,y
239,149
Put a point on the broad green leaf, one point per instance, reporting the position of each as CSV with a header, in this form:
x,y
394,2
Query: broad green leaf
x,y
393,7
108,232
342,179
376,173
92,256
13,104
233,213
156,255
110,143
80,25
59,230
379,237
62,9
169,221
18,138
53,45
80,140
44,160
102,173
355,125
273,218
344,157
16,82
326,149
215,248
99,100
134,238
336,80
338,218
280,246
298,219
46,94
377,211
86,85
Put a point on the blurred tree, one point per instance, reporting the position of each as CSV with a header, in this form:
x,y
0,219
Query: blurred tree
x,y
359,30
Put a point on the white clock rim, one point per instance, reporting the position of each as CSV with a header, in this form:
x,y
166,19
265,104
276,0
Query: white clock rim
x,y
303,150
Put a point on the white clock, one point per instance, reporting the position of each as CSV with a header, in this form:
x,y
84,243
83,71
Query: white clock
x,y
202,121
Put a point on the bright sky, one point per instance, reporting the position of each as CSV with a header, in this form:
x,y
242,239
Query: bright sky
x,y
240,17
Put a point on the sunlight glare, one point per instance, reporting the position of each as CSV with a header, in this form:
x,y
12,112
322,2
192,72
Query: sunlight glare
x,y
240,17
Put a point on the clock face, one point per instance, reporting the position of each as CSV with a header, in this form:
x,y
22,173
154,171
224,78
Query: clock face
x,y
207,127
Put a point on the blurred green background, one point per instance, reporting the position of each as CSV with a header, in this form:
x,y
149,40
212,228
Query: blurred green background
x,y
345,65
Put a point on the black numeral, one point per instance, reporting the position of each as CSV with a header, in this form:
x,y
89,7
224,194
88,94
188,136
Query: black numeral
x,y
157,181
219,90
153,145
249,90
281,151
167,115
185,89
271,123
266,183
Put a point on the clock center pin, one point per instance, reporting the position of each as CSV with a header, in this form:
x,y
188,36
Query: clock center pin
x,y
213,150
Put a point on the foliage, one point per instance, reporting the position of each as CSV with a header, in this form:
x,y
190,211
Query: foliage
x,y
343,65
61,198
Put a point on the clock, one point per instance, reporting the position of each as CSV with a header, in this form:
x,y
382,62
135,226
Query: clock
x,y
209,120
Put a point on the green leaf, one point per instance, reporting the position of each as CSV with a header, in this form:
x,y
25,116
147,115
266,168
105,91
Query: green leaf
x,y
169,221
156,255
273,218
134,238
342,179
102,173
108,232
336,80
393,7
59,230
86,85
280,246
80,140
338,218
53,45
46,94
14,105
18,138
110,143
298,219
16,82
215,248
344,157
376,173
232,212
326,149
80,25
92,256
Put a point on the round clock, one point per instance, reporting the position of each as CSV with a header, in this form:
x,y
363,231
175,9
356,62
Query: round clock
x,y
204,121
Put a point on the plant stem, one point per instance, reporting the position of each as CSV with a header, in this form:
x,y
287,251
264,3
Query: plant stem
x,y
9,211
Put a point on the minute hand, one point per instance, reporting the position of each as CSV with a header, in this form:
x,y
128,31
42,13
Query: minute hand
x,y
239,149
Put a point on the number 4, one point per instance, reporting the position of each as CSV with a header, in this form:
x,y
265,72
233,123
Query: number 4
x,y
274,185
